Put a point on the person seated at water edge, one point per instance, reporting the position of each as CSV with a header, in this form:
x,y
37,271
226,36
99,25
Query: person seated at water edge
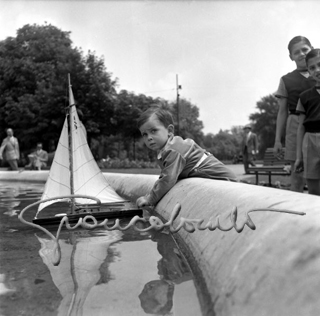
x,y
308,135
38,159
178,158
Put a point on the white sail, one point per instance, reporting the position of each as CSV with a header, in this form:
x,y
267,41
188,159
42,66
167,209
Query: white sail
x,y
87,176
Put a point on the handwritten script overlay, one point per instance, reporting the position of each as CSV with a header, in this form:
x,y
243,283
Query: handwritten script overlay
x,y
190,225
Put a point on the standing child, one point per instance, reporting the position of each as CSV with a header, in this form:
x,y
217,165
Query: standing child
x,y
290,87
308,138
178,158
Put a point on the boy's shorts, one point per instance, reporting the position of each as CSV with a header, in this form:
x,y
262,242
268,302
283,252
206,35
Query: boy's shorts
x,y
291,137
311,156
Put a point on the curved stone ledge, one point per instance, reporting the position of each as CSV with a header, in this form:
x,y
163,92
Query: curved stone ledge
x,y
24,176
273,270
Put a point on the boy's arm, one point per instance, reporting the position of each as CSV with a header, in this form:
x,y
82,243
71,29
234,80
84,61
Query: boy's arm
x,y
173,164
281,123
255,144
44,156
300,134
18,149
3,146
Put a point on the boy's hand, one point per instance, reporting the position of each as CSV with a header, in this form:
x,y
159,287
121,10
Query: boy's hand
x,y
278,150
142,201
298,166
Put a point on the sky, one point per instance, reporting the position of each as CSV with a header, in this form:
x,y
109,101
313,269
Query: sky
x,y
226,55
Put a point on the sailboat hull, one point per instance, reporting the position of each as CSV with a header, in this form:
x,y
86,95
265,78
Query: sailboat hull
x,y
76,178
110,211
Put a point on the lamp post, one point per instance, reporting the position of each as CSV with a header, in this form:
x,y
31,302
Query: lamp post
x,y
178,87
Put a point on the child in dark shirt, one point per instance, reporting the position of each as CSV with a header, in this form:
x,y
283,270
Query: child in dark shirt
x,y
178,158
308,137
290,87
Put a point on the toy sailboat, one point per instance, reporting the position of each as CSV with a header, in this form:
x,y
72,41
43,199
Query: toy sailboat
x,y
76,178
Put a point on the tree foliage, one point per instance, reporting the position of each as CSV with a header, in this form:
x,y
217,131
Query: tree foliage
x,y
223,145
34,68
264,121
33,75
32,98
189,124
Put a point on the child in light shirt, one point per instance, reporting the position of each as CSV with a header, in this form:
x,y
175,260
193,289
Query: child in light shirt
x,y
178,158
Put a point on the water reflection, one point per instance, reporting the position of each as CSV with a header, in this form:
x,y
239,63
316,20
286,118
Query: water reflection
x,y
101,272
99,269
9,202
157,296
84,264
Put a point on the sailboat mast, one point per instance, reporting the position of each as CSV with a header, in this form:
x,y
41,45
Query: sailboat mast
x,y
71,104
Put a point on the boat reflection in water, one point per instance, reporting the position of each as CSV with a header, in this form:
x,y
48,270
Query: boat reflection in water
x,y
119,273
78,271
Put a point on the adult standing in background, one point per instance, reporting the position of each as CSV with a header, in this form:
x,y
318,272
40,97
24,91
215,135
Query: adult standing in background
x,y
249,147
290,87
9,150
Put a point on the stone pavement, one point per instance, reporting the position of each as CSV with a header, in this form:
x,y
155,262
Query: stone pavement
x,y
34,175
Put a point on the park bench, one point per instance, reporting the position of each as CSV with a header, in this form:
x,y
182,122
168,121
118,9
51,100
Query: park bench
x,y
271,166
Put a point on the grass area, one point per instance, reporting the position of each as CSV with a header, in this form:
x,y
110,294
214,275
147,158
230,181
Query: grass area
x,y
282,182
263,180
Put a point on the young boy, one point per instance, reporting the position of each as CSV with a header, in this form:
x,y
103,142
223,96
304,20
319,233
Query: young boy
x,y
178,158
308,136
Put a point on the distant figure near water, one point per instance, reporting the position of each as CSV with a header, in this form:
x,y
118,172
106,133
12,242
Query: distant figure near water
x,y
249,147
9,150
38,159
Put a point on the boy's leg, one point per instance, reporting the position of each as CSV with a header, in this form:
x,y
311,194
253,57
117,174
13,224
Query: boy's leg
x,y
212,168
311,161
313,186
245,161
297,180
30,164
250,160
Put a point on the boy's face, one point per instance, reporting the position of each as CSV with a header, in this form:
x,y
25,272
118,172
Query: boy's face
x,y
298,54
314,68
155,134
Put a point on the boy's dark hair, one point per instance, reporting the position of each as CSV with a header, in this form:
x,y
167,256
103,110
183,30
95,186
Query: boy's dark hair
x,y
296,40
313,53
164,116
151,305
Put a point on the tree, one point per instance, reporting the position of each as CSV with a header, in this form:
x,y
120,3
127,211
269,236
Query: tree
x,y
96,95
34,88
265,120
128,108
34,68
189,124
28,66
223,145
